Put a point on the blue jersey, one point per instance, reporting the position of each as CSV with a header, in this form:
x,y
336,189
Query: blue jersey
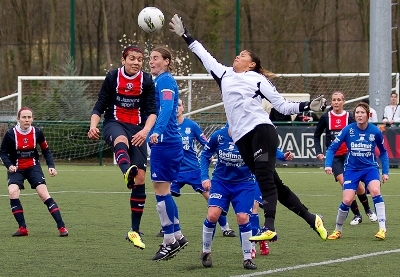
x,y
190,132
361,145
230,166
167,96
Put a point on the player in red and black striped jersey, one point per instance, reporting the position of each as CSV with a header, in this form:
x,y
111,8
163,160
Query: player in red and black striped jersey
x,y
21,158
127,100
332,122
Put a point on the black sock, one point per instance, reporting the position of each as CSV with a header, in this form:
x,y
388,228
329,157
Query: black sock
x,y
364,201
137,200
122,156
354,208
291,201
55,212
270,211
18,212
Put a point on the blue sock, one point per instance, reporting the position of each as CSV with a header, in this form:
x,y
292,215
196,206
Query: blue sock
x,y
210,225
177,226
255,224
243,228
222,220
165,209
377,199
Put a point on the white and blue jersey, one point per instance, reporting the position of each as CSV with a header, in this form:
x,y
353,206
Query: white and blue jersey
x,y
190,132
167,96
189,172
167,154
232,180
361,145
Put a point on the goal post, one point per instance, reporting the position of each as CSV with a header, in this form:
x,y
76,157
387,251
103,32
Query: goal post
x,y
63,104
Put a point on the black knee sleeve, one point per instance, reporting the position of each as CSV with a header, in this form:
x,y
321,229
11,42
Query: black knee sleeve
x,y
265,178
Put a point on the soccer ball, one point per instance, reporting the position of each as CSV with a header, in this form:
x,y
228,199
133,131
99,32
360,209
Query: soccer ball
x,y
150,19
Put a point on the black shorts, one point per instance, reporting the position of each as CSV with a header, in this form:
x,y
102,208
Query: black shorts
x,y
34,175
262,139
338,165
113,129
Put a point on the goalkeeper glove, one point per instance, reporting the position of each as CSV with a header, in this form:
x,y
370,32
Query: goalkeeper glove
x,y
318,104
176,26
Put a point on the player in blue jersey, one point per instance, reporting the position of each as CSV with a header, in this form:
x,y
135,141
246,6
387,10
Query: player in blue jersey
x,y
243,85
232,182
332,122
361,139
166,152
189,172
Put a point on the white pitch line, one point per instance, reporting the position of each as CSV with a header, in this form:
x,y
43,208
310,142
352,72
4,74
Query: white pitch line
x,y
341,260
182,193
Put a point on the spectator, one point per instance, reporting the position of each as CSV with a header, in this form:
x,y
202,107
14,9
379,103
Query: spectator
x,y
391,113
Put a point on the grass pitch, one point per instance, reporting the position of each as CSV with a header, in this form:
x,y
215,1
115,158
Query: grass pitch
x,y
95,207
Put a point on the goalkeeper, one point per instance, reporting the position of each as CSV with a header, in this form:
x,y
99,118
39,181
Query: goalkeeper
x,y
242,87
126,98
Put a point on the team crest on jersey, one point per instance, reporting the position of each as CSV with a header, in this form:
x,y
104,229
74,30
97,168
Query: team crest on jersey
x,y
351,132
129,86
220,139
188,130
362,137
371,137
25,140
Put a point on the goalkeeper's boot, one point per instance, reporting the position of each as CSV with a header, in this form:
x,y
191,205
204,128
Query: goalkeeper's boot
x,y
265,234
319,227
381,234
63,232
130,175
335,235
167,251
21,232
135,238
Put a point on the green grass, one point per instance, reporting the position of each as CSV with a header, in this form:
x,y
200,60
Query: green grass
x,y
94,203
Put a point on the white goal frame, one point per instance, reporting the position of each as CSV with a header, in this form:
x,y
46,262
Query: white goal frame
x,y
191,78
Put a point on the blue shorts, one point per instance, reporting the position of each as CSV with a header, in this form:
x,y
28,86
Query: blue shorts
x,y
34,175
241,196
113,129
165,161
191,178
258,195
353,177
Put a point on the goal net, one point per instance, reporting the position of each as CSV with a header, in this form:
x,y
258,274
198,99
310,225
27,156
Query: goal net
x,y
62,105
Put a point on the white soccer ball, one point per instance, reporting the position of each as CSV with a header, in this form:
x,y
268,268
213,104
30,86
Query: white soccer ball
x,y
150,20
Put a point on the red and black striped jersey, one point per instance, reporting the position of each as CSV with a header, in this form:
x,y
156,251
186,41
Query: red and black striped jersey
x,y
124,98
331,124
18,148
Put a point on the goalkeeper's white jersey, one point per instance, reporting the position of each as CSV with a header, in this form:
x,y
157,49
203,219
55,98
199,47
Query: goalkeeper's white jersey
x,y
241,94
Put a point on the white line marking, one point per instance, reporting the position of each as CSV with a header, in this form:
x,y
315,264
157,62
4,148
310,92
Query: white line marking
x,y
341,260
